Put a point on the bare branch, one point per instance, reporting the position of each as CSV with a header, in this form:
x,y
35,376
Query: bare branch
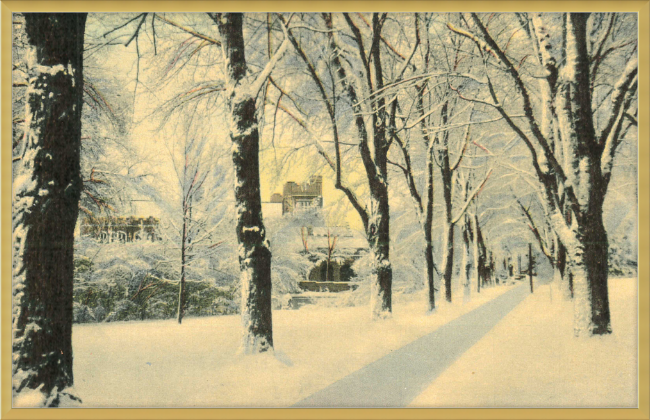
x,y
259,82
123,25
533,227
471,197
188,30
618,98
137,31
408,174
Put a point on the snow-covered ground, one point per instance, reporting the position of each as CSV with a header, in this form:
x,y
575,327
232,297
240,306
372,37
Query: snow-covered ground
x,y
531,359
163,364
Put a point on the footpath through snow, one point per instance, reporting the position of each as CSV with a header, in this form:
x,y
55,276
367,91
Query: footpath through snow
x,y
397,378
532,359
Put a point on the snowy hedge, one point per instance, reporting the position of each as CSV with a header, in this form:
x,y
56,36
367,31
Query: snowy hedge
x,y
134,282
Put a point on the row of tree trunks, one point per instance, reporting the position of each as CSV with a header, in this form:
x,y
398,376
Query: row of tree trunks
x,y
575,163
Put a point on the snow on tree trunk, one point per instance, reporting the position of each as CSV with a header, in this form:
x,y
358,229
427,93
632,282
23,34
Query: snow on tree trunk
x,y
47,187
587,252
254,251
375,162
575,164
586,239
382,272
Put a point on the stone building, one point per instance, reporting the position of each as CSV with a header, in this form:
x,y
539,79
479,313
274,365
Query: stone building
x,y
121,229
298,197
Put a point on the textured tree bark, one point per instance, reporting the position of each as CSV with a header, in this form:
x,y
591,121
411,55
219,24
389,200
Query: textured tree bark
x,y
530,266
427,225
47,187
448,252
254,251
586,238
448,258
382,273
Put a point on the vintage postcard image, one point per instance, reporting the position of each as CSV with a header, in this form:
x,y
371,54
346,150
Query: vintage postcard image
x,y
324,210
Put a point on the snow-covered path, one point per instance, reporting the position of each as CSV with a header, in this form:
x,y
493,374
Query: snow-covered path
x,y
398,378
532,359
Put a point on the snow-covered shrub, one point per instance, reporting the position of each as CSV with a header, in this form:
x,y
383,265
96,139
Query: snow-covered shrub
x,y
82,314
125,310
622,251
118,274
162,309
225,306
82,265
123,282
100,313
202,297
100,296
286,272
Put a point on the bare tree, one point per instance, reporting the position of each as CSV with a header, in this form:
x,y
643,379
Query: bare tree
x,y
331,245
194,163
373,137
254,253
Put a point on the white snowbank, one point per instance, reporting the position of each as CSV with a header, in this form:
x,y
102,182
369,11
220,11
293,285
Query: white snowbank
x,y
532,359
163,364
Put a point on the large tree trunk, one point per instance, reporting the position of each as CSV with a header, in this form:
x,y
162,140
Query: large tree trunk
x,y
382,273
254,253
585,239
588,274
596,249
448,251
47,188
